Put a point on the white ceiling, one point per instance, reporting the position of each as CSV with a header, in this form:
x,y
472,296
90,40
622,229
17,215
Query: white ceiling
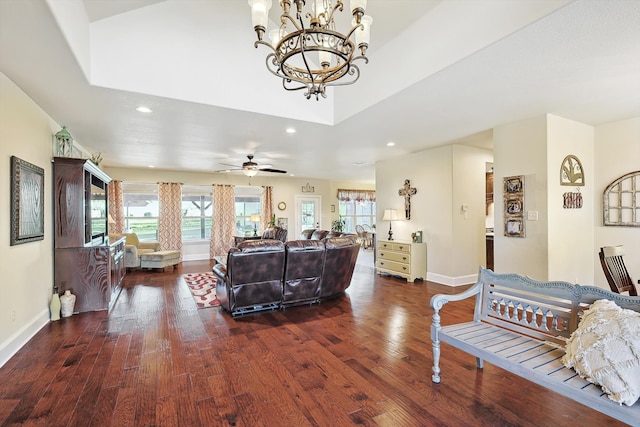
x,y
439,71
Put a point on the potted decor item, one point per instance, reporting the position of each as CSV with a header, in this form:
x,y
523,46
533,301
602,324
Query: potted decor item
x,y
54,305
338,224
67,302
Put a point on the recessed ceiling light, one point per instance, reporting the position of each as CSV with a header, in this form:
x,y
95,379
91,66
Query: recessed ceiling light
x,y
390,144
291,130
143,109
359,163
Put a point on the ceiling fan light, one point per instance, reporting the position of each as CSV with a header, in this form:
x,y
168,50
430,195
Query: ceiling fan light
x,y
250,171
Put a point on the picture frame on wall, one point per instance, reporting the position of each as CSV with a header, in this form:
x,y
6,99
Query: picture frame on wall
x,y
514,227
514,205
27,202
514,184
513,210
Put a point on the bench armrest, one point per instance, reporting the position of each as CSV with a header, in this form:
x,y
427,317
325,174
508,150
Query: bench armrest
x,y
438,300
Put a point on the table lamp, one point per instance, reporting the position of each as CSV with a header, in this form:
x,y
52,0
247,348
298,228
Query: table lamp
x,y
390,215
255,218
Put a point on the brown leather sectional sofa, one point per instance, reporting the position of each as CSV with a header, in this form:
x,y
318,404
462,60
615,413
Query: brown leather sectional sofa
x,y
268,274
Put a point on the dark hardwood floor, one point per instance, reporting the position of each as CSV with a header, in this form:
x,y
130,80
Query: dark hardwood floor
x,y
362,359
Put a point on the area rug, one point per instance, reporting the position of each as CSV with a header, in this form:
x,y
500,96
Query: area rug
x,y
203,289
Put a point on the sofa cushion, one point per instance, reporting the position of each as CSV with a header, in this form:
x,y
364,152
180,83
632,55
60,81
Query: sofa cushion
x,y
303,271
306,234
605,350
319,234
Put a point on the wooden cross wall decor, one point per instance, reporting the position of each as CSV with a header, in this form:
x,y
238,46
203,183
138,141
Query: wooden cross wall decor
x,y
407,191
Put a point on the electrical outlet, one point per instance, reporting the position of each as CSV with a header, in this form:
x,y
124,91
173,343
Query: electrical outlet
x,y
532,215
13,316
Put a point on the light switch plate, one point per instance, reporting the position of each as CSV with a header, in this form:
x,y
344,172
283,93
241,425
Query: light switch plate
x,y
532,215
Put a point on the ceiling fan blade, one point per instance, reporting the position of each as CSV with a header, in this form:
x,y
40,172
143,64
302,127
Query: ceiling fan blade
x,y
233,166
271,170
228,170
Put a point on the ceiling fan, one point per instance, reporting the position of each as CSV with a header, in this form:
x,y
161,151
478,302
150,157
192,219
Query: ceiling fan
x,y
251,168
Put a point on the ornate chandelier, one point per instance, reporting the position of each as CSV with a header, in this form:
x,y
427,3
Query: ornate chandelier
x,y
314,55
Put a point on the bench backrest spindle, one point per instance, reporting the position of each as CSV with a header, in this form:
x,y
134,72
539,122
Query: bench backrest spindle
x,y
548,311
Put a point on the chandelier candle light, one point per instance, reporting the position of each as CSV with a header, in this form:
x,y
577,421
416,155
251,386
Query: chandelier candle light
x,y
298,48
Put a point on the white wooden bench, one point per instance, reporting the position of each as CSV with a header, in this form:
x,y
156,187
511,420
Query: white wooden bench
x,y
520,325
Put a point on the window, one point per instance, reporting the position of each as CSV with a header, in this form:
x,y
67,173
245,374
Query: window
x,y
141,210
357,207
247,204
357,213
197,210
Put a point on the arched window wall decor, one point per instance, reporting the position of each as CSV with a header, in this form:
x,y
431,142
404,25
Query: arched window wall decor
x,y
621,201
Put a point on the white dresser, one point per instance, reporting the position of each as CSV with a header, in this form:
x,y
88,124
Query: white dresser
x,y
405,259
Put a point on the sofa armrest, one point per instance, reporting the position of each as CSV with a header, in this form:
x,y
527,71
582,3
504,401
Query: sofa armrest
x,y
220,271
131,257
155,246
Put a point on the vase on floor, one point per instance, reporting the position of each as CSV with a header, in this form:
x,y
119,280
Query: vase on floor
x,y
54,305
67,302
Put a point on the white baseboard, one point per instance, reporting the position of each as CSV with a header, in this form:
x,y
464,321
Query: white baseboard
x,y
22,336
452,281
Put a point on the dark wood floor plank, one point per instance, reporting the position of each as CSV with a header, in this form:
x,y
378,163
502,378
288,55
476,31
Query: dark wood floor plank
x,y
124,413
362,359
104,407
185,401
113,376
166,412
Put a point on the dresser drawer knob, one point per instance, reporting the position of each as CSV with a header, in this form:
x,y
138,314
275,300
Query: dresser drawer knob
x,y
404,268
404,258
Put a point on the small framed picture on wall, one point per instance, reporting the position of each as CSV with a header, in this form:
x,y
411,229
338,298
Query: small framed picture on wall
x,y
513,211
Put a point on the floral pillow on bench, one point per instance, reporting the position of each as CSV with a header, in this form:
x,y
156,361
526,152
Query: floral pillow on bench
x,y
605,350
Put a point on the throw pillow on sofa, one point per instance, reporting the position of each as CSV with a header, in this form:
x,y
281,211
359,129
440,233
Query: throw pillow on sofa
x,y
605,350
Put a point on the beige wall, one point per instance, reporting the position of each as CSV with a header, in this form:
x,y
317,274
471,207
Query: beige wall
x,y
521,149
570,231
27,270
617,152
445,178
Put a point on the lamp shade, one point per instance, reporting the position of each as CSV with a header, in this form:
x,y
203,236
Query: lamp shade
x,y
390,215
255,218
111,220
